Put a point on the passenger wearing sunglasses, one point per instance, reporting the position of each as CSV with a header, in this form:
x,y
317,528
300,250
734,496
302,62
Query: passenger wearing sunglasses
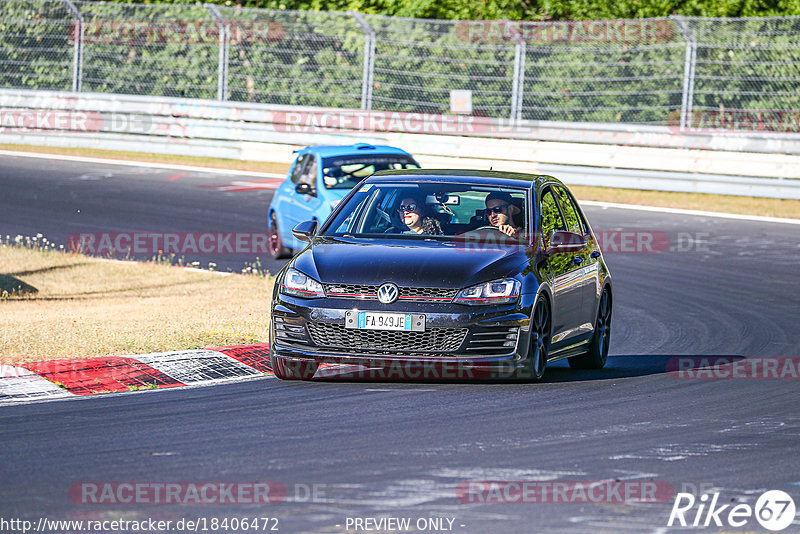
x,y
500,211
414,214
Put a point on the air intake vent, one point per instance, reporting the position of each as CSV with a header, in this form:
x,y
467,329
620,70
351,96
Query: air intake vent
x,y
336,336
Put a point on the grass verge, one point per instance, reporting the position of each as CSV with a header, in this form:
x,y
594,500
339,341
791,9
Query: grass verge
x,y
765,207
61,305
768,207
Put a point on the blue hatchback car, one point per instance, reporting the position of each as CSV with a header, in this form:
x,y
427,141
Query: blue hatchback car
x,y
318,179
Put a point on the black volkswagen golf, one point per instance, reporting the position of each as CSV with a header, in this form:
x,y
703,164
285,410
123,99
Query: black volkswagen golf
x,y
444,274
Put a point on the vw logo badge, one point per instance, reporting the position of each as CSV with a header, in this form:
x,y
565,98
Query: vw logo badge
x,y
387,293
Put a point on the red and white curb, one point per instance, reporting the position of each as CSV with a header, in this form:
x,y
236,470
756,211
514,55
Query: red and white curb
x,y
57,379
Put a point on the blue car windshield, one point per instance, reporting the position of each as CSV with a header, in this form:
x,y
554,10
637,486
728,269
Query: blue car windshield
x,y
432,211
344,172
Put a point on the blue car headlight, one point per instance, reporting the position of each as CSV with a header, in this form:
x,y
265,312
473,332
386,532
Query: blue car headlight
x,y
495,292
297,284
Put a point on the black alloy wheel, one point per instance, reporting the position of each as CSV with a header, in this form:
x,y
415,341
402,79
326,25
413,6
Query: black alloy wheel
x,y
597,356
274,241
540,341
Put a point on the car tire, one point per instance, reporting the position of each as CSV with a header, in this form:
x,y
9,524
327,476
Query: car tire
x,y
598,349
274,241
287,369
539,348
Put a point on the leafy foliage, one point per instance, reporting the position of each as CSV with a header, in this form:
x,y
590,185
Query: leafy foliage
x,y
537,10
316,58
35,46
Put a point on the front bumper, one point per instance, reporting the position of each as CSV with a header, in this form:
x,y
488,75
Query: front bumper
x,y
459,341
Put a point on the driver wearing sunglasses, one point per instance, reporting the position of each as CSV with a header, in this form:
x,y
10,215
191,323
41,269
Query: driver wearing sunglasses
x,y
500,211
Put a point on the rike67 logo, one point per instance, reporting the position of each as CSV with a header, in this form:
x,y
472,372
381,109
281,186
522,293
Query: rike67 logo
x,y
774,510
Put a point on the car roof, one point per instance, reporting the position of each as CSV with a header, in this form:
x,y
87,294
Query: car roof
x,y
351,150
502,178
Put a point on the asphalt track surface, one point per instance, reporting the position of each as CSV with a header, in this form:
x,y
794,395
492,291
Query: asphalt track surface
x,y
63,198
382,449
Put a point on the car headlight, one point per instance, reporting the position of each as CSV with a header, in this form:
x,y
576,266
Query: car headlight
x,y
495,292
297,284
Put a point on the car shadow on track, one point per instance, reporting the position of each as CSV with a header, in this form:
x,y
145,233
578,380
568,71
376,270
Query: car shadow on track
x,y
622,366
633,365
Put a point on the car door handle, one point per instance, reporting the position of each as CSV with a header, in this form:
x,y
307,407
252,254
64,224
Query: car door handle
x,y
595,254
577,260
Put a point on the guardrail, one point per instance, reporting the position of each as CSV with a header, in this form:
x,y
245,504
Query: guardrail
x,y
609,155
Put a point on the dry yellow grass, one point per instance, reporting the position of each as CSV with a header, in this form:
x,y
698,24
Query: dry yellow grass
x,y
768,207
84,307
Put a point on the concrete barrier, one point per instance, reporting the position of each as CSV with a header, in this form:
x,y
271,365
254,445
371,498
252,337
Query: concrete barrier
x,y
642,157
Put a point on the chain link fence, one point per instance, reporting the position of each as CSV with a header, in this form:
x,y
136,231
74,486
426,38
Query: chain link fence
x,y
148,49
691,72
36,46
632,73
418,62
293,57
746,64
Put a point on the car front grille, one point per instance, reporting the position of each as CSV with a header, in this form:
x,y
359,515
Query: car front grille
x,y
426,293
337,337
407,294
491,341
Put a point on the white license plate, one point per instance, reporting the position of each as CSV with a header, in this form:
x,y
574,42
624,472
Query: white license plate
x,y
385,321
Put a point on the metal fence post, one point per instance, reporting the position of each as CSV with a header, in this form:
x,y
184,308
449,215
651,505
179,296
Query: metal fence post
x,y
688,71
77,61
222,69
518,82
369,60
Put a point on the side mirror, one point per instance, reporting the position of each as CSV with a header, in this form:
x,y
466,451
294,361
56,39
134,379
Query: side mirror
x,y
305,189
305,230
563,241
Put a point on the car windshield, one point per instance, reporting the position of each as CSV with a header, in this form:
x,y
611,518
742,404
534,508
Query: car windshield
x,y
344,172
431,211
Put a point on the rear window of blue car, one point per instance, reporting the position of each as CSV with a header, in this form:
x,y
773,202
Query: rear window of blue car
x,y
344,172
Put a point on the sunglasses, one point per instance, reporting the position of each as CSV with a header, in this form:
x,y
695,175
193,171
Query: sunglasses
x,y
497,209
408,207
